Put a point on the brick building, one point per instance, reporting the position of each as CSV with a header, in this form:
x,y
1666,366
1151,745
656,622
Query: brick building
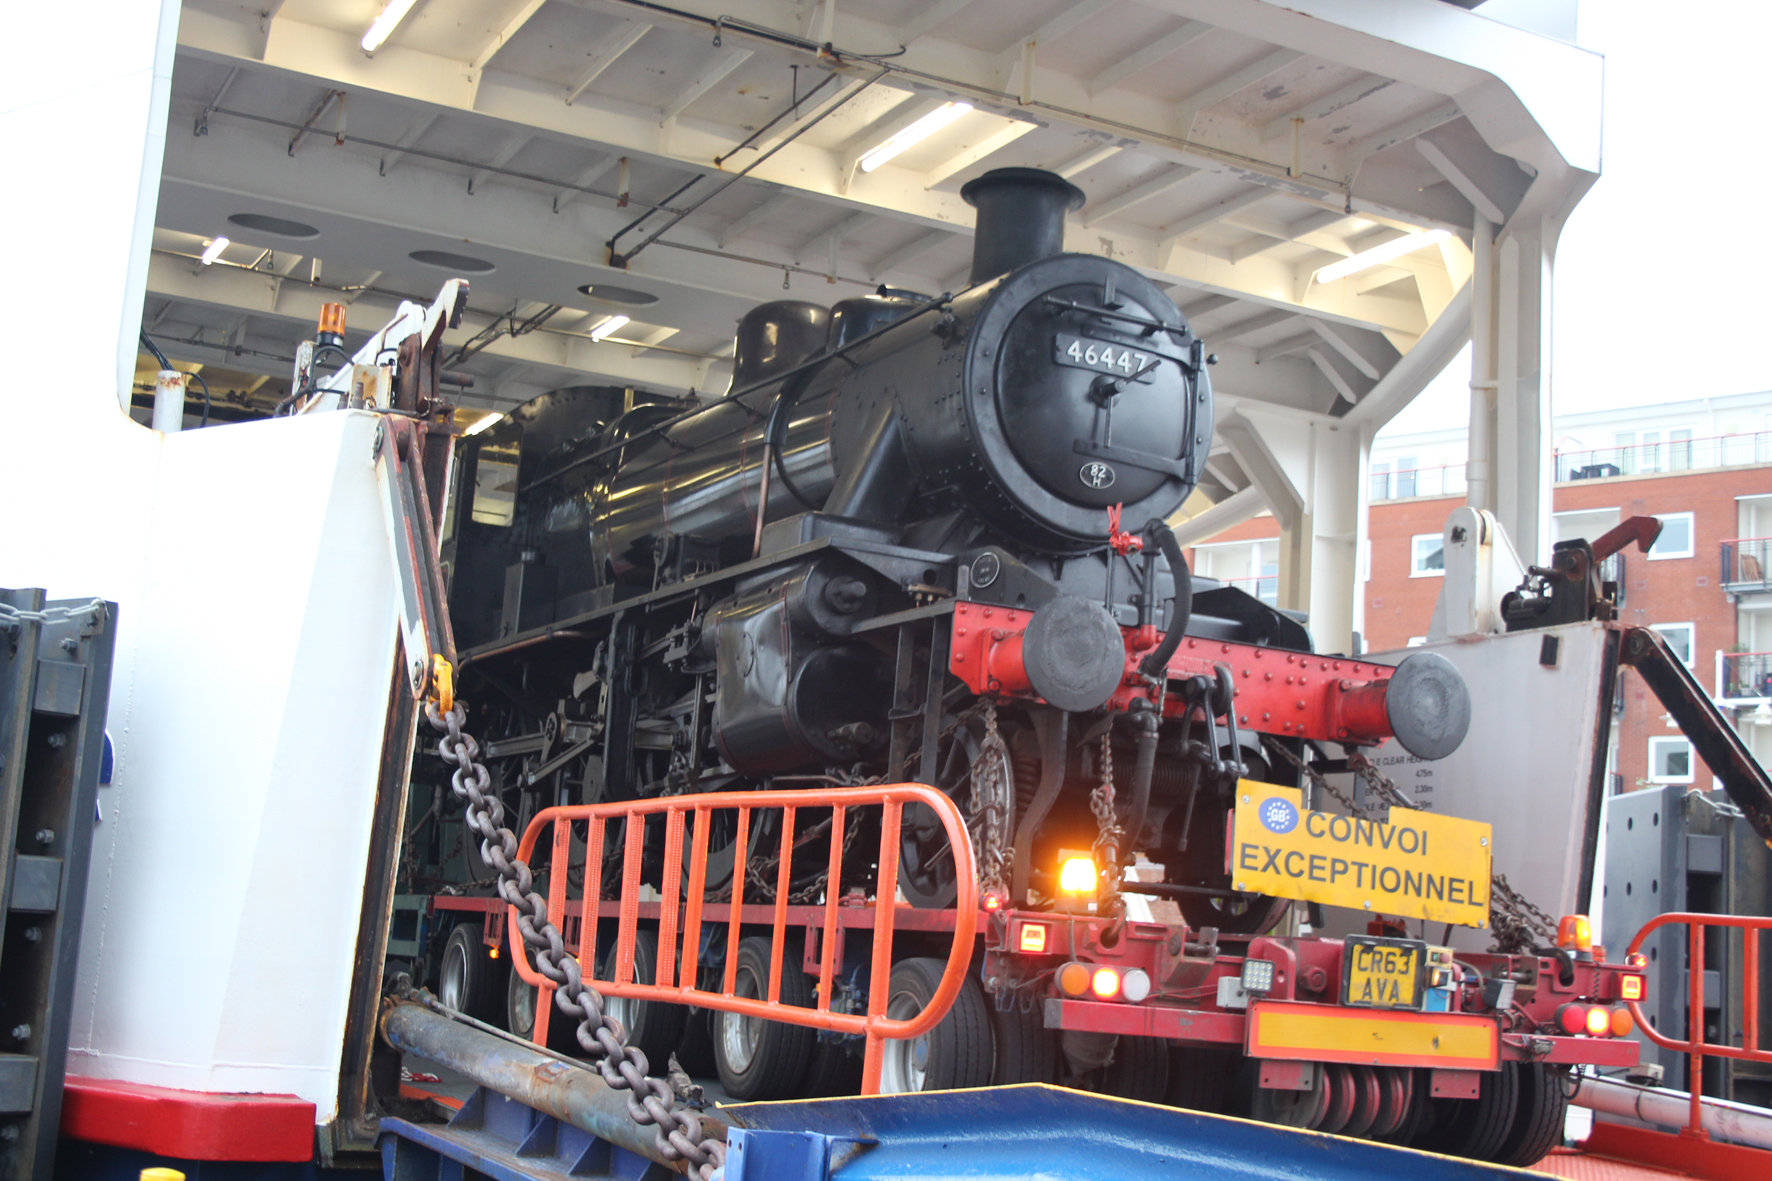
x,y
1703,467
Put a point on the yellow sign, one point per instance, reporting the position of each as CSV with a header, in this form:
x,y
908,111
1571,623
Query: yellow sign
x,y
1420,865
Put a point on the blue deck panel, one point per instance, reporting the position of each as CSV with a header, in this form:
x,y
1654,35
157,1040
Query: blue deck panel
x,y
1033,1132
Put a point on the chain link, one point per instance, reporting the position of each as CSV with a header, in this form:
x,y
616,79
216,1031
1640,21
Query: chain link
x,y
651,1101
1107,830
11,617
1516,925
993,803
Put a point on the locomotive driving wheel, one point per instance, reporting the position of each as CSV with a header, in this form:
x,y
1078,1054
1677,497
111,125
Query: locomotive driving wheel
x,y
925,860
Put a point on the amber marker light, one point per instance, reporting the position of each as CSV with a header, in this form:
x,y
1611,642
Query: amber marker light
x,y
1076,875
1622,1025
1073,979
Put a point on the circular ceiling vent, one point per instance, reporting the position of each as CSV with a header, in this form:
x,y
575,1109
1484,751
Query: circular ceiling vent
x,y
444,260
280,226
626,296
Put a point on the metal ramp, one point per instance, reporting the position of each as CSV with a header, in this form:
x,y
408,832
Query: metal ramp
x,y
993,1134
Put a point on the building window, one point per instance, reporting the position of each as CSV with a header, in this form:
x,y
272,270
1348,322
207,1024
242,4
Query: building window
x,y
1676,537
1427,556
1406,468
1381,481
1681,637
1670,760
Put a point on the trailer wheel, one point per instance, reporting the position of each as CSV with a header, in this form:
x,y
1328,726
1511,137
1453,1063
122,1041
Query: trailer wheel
x,y
1027,1052
654,1026
1368,1101
1476,1128
1339,1083
835,1069
1538,1117
695,1050
1198,1078
759,1059
958,1052
470,981
1140,1070
1418,1111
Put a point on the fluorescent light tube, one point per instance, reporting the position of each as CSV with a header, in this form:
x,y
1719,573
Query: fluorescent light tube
x,y
214,250
385,22
1395,248
913,135
608,326
482,424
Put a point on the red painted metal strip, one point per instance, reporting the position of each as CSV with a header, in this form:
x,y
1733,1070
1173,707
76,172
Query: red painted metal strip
x,y
1689,1156
188,1125
1188,1025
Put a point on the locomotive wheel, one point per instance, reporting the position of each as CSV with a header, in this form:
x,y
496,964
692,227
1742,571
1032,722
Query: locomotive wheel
x,y
925,863
1027,1052
1140,1070
958,1052
759,1059
1198,1078
1397,1089
1538,1117
1368,1101
1339,1081
656,1027
469,980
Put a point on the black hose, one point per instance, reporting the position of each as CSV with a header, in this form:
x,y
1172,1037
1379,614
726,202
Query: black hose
x,y
1157,659
165,364
1143,765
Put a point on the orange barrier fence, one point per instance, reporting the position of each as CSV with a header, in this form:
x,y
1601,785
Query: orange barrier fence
x,y
1694,1044
689,818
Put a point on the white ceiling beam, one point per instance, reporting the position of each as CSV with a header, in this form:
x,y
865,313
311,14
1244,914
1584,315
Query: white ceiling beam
x,y
711,76
989,146
491,48
740,226
1285,348
1212,213
1467,188
836,233
932,17
406,141
921,244
1137,194
1222,89
1055,27
1336,338
500,158
1169,43
1347,96
904,115
1201,308
617,42
1407,129
585,180
1080,164
1494,184
1328,370
1255,323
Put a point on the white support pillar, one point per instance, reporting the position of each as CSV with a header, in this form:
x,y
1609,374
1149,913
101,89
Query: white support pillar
x,y
1312,471
1510,427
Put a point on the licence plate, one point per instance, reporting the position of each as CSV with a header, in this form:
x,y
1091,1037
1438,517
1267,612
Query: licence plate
x,y
1383,973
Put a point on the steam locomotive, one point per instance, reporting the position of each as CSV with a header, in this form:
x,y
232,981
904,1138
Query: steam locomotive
x,y
916,531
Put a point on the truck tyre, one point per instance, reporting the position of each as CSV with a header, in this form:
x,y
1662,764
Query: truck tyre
x,y
520,1001
655,1027
759,1059
695,1050
958,1052
835,1069
1198,1078
469,980
1538,1118
1477,1128
1027,1052
1140,1070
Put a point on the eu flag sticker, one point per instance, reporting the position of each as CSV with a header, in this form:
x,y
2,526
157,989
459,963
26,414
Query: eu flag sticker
x,y
1278,816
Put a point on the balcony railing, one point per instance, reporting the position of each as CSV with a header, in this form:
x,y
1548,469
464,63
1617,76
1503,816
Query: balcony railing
x,y
1744,676
1675,455
1445,480
1266,588
1747,565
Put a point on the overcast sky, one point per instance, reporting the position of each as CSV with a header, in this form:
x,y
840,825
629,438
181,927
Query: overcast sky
x,y
1662,285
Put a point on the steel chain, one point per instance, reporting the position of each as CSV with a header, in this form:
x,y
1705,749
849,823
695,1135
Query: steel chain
x,y
993,802
11,617
651,1101
1107,828
1516,925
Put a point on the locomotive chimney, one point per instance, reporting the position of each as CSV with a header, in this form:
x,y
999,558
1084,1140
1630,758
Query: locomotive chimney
x,y
1020,218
